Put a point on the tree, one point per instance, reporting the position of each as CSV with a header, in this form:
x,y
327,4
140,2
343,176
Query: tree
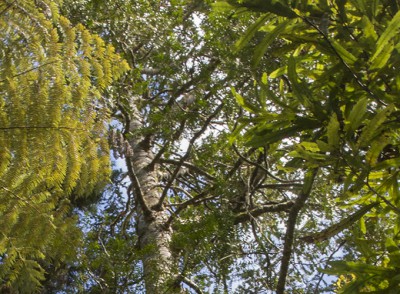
x,y
175,193
329,104
53,135
281,130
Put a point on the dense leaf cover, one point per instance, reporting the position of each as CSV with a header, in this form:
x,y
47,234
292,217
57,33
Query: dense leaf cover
x,y
256,146
331,103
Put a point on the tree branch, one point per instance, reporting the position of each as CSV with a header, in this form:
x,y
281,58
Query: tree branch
x,y
340,226
158,206
284,186
291,225
253,213
190,167
191,284
138,190
259,166
175,137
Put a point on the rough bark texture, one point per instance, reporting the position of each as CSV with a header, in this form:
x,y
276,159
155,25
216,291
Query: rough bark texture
x,y
154,237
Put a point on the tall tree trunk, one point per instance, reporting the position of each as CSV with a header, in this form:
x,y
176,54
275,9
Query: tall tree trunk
x,y
154,237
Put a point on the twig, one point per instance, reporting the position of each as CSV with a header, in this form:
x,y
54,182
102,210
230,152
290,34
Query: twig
x,y
29,70
259,166
388,203
175,137
8,7
357,79
329,258
158,206
191,167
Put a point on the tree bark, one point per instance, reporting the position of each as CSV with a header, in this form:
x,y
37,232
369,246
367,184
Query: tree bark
x,y
154,236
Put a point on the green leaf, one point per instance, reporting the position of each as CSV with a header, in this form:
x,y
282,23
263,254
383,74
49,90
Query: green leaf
x,y
376,148
273,6
244,103
394,162
371,130
394,252
390,32
363,228
222,6
299,88
369,30
356,115
268,39
323,146
381,60
310,146
333,132
264,78
343,53
245,39
391,246
278,72
271,94
271,136
345,267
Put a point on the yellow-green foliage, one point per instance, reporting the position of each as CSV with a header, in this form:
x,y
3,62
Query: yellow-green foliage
x,y
52,132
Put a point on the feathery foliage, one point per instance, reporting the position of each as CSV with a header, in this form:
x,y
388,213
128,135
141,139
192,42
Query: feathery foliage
x,y
53,140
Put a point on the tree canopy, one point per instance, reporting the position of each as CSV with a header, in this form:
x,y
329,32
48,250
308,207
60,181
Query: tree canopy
x,y
255,146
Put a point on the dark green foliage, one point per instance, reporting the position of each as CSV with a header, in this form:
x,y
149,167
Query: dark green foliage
x,y
336,84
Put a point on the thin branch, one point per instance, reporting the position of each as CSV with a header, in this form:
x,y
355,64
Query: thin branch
x,y
158,206
357,79
175,137
388,203
126,116
253,213
239,162
340,226
191,167
259,166
40,127
8,7
291,225
29,70
183,191
185,204
201,196
127,211
191,284
329,258
284,186
102,243
138,190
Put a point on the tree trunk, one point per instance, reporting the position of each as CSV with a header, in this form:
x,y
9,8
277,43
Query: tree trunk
x,y
154,237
